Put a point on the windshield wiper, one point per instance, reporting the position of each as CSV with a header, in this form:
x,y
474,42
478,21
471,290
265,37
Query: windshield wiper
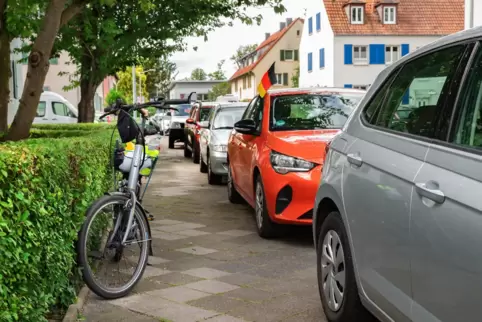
x,y
224,128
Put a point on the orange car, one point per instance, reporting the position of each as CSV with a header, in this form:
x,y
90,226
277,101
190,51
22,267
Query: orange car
x,y
276,152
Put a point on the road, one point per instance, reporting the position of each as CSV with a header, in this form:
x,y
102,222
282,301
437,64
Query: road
x,y
209,264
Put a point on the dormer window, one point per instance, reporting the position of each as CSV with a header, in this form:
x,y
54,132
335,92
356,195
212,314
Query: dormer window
x,y
389,15
356,14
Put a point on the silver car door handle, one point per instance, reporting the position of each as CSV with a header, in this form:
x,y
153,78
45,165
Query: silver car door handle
x,y
355,159
432,194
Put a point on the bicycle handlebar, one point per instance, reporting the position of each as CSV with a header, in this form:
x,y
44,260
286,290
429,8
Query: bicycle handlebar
x,y
134,107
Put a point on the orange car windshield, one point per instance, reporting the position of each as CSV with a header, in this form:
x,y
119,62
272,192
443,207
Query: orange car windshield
x,y
311,111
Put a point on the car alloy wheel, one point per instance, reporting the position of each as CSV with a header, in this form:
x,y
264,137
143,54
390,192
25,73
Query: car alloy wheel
x,y
259,205
333,270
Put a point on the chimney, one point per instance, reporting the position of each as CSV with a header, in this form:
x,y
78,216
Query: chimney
x,y
289,21
267,35
282,25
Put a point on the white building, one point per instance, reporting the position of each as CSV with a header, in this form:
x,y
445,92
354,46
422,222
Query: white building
x,y
182,88
471,18
347,43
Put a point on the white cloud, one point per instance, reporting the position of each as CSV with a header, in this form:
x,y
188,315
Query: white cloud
x,y
223,42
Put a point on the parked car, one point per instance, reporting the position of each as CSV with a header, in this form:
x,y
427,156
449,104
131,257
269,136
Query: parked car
x,y
177,119
214,139
54,108
162,119
199,113
398,212
276,152
228,98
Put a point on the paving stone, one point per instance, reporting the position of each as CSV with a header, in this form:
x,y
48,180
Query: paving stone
x,y
236,232
180,227
197,250
154,271
148,284
190,262
153,260
101,311
165,235
206,272
224,318
218,303
250,294
165,222
228,255
178,294
234,266
175,279
241,279
192,233
212,286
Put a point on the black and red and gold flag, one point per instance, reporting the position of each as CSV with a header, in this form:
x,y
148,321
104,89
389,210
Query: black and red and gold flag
x,y
268,80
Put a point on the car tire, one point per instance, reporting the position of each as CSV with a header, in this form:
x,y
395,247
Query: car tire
x,y
171,142
348,306
212,177
233,194
265,226
195,152
187,152
203,168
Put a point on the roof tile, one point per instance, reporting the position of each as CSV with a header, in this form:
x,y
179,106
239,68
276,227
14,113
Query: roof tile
x,y
414,17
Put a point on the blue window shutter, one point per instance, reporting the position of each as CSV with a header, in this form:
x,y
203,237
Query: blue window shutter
x,y
310,25
406,97
377,54
318,21
405,49
322,57
310,62
348,86
348,54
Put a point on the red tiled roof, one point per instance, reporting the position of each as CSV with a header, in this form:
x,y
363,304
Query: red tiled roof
x,y
414,17
268,44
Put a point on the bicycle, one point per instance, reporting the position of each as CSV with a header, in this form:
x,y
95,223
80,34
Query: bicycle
x,y
128,224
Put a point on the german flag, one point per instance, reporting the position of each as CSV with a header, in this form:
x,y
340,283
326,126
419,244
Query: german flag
x,y
268,80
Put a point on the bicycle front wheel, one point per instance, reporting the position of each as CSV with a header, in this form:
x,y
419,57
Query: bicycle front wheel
x,y
109,268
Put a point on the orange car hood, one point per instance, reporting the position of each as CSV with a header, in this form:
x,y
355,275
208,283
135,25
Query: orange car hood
x,y
306,145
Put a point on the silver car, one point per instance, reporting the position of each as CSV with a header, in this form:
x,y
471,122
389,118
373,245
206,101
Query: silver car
x,y
214,139
398,215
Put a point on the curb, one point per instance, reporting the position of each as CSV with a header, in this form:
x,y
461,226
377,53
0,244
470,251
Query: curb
x,y
73,311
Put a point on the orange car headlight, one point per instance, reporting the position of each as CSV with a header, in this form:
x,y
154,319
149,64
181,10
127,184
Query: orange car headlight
x,y
283,164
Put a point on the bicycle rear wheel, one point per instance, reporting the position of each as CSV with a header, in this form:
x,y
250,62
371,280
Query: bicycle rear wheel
x,y
98,256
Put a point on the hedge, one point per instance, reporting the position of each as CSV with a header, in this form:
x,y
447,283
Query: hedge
x,y
46,185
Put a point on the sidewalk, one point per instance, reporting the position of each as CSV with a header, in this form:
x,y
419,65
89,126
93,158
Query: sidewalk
x,y
210,264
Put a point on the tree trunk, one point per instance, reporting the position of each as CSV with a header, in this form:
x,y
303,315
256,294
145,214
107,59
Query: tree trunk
x,y
86,104
4,66
38,66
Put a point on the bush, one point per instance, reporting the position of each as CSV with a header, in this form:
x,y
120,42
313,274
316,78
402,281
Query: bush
x,y
46,185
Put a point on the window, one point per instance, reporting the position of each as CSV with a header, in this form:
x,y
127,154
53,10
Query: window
x,y
204,113
236,85
322,58
279,79
310,25
310,62
244,82
318,21
289,55
41,109
389,14
61,109
360,54
363,87
297,33
249,81
356,14
226,117
285,79
392,54
311,111
410,104
468,129
254,111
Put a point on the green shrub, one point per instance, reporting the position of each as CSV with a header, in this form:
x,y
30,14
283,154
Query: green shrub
x,y
74,126
46,185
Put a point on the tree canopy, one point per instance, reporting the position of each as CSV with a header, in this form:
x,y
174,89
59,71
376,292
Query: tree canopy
x,y
241,52
218,74
199,74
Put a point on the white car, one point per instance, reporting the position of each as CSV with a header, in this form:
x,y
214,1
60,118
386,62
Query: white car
x,y
54,108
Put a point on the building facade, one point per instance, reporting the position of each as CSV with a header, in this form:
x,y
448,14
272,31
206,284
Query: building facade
x,y
16,79
182,88
473,16
281,48
348,43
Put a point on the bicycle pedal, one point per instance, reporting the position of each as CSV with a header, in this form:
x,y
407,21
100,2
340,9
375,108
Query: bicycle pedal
x,y
150,217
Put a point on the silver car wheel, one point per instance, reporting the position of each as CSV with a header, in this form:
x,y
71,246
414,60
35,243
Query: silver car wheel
x,y
259,205
333,270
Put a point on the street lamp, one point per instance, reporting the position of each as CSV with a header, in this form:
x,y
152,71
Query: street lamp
x,y
140,82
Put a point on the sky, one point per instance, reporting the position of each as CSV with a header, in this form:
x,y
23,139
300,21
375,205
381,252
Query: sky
x,y
223,42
